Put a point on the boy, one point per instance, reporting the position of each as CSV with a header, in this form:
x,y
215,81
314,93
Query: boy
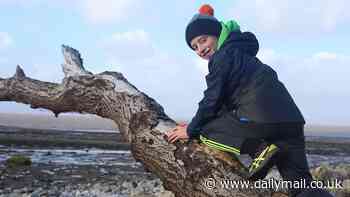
x,y
245,109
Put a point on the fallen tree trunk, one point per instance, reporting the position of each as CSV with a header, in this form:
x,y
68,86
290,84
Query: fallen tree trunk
x,y
186,169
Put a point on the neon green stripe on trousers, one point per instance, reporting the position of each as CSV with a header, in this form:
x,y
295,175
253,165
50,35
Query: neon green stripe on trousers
x,y
219,146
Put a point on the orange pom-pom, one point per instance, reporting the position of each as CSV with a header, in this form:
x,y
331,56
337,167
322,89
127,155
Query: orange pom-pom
x,y
206,9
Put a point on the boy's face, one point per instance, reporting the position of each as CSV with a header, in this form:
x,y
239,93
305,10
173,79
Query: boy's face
x,y
204,46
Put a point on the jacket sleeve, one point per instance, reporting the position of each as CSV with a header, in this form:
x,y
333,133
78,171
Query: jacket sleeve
x,y
213,96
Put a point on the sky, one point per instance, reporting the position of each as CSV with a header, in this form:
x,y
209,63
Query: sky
x,y
306,42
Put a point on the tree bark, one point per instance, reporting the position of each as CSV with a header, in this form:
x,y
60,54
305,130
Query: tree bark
x,y
186,169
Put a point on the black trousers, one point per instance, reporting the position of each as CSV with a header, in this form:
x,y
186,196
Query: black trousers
x,y
247,136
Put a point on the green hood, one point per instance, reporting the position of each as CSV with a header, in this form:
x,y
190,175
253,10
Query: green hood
x,y
227,28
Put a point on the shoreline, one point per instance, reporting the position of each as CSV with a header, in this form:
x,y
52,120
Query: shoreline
x,y
89,164
17,136
51,138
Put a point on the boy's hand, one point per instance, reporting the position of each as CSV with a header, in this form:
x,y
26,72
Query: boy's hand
x,y
179,132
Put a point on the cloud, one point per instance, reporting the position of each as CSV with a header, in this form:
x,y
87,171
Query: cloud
x,y
5,40
325,56
296,16
108,11
318,83
128,46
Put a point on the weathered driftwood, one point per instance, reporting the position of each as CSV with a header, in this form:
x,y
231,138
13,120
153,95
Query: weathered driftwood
x,y
183,168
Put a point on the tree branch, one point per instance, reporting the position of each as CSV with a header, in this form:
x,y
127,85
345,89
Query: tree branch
x,y
182,167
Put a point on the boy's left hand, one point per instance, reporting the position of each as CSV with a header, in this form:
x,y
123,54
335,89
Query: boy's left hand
x,y
179,132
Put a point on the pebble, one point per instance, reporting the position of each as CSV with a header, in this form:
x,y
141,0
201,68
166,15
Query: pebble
x,y
66,194
37,192
103,171
48,172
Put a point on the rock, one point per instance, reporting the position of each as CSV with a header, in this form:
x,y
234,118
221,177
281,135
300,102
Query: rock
x,y
15,194
17,191
48,172
331,173
23,190
17,176
37,192
53,192
346,185
77,176
66,194
103,171
151,188
326,172
30,189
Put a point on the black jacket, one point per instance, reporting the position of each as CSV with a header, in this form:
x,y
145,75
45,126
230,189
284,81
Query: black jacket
x,y
240,82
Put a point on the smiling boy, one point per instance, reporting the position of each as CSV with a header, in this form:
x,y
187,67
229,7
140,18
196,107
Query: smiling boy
x,y
245,109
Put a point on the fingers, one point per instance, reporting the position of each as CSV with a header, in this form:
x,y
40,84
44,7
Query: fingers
x,y
171,135
170,132
174,138
176,133
171,138
175,128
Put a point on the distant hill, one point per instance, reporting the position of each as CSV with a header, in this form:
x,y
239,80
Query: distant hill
x,y
92,122
63,122
327,130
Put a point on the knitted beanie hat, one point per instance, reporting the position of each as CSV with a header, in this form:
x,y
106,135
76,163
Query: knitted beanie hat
x,y
203,23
